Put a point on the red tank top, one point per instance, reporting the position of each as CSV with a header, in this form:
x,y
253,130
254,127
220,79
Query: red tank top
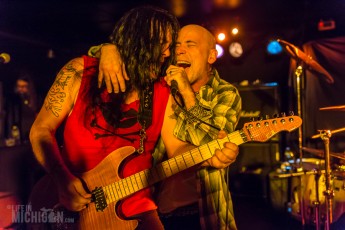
x,y
83,152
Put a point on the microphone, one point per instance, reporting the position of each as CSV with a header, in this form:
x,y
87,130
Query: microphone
x,y
174,87
5,58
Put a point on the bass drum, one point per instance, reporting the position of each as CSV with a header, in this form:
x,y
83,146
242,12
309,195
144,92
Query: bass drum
x,y
306,186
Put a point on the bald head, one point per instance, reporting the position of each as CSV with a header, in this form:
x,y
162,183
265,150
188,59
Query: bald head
x,y
206,35
196,46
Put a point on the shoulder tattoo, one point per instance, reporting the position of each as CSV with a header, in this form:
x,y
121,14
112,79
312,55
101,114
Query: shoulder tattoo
x,y
57,93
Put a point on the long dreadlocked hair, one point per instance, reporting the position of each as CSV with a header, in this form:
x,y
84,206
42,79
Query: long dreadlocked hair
x,y
139,37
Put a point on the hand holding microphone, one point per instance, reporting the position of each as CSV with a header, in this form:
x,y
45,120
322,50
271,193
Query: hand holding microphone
x,y
173,87
178,80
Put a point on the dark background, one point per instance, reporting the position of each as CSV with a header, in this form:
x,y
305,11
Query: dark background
x,y
29,29
41,36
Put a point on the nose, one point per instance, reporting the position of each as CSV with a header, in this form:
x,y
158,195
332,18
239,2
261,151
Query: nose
x,y
180,50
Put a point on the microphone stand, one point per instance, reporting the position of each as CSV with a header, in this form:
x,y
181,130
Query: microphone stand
x,y
299,74
300,112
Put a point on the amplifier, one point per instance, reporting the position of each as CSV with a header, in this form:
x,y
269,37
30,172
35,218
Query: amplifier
x,y
258,101
248,174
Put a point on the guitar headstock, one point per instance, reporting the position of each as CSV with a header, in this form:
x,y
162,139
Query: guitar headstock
x,y
263,130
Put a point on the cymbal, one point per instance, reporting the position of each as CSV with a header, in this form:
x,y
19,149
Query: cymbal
x,y
334,108
320,153
297,54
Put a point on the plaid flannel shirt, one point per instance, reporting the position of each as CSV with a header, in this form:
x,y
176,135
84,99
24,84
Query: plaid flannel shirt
x,y
221,105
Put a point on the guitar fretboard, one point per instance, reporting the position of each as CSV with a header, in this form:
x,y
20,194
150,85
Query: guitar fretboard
x,y
129,185
259,131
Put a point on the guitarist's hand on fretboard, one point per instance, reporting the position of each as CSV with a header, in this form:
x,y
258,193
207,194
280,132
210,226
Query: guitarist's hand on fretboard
x,y
223,157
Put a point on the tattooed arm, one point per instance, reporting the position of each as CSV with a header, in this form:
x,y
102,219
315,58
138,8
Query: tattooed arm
x,y
57,105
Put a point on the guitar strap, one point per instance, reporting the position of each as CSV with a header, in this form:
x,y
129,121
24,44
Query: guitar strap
x,y
145,113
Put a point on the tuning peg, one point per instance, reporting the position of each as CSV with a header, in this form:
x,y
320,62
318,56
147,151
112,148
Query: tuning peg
x,y
267,117
275,115
283,114
252,119
291,113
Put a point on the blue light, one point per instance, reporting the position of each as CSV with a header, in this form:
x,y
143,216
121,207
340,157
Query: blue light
x,y
274,47
271,84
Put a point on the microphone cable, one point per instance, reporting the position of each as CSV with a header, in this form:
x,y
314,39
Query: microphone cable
x,y
226,170
190,114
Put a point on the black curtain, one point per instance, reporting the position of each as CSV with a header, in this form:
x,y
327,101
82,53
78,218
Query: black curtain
x,y
317,93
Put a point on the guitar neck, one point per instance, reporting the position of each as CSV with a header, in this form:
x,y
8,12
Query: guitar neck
x,y
259,131
129,185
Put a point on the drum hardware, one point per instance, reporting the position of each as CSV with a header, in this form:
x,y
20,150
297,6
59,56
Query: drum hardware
x,y
325,136
286,184
329,193
316,203
303,61
320,153
332,132
311,64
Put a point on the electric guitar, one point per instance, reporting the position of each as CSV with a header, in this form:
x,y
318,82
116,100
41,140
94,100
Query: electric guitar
x,y
108,188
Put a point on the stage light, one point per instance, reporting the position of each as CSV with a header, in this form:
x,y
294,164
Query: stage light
x,y
236,49
220,50
326,25
234,31
273,47
221,36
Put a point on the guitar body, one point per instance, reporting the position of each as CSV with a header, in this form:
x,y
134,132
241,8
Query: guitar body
x,y
111,188
44,197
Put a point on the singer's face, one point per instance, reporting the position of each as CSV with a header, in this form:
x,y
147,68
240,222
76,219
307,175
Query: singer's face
x,y
193,50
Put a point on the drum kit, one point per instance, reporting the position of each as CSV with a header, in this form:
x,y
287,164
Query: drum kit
x,y
318,195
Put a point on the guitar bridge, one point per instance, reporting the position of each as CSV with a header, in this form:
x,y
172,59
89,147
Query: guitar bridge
x,y
99,198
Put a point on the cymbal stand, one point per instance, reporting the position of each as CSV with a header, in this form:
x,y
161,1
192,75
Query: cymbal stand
x,y
329,193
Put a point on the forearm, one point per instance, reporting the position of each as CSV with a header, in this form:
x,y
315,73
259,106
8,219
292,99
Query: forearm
x,y
46,151
222,112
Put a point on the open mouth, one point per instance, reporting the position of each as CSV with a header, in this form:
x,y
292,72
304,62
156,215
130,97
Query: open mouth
x,y
183,64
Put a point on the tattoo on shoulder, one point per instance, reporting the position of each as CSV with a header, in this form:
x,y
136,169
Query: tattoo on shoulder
x,y
57,95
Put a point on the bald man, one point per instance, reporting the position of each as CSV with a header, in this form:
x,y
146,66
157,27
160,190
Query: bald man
x,y
199,197
181,199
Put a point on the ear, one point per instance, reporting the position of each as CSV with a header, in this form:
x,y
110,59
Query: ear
x,y
212,56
